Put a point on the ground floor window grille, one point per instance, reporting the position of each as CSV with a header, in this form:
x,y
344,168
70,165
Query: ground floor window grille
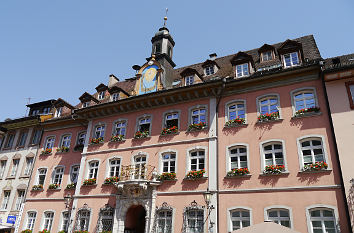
x,y
105,219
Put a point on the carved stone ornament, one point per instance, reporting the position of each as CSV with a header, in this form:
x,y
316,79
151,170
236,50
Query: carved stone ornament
x,y
132,191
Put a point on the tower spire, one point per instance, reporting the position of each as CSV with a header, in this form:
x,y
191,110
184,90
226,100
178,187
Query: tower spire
x,y
165,18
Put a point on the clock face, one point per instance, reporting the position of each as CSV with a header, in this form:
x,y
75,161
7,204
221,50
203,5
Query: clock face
x,y
148,80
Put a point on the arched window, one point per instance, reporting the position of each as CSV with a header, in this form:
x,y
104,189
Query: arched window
x,y
105,219
93,169
120,128
236,110
58,175
140,166
144,124
312,151
31,220
268,105
279,216
240,218
114,167
99,131
48,220
238,157
193,220
49,143
163,222
322,220
273,154
304,99
197,160
65,141
169,162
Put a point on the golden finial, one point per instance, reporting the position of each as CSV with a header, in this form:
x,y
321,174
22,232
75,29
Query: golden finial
x,y
165,18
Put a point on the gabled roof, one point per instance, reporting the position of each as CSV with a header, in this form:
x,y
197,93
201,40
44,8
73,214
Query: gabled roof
x,y
190,71
86,96
340,62
241,57
116,89
209,62
265,48
289,45
60,103
101,87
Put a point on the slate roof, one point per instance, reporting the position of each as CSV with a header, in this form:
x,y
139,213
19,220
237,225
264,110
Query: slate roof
x,y
339,62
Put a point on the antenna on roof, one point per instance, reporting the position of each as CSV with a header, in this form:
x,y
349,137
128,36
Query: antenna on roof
x,y
28,102
165,18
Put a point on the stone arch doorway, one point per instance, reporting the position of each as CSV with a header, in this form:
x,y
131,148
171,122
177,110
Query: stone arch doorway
x,y
135,219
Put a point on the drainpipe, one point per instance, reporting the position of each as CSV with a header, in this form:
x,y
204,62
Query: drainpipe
x,y
337,155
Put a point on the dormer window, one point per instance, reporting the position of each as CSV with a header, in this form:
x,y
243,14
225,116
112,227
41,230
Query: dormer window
x,y
267,56
209,70
86,104
35,112
291,59
46,110
101,95
242,70
189,80
115,96
58,112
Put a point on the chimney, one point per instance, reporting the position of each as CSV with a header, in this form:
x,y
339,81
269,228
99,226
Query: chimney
x,y
212,56
112,80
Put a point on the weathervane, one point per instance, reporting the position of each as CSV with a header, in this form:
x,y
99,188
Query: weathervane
x,y
165,18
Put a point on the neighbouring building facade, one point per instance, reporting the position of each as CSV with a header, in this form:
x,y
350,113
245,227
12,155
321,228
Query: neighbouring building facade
x,y
212,147
339,80
19,140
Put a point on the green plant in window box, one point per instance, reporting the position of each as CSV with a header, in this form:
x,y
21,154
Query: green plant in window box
x,y
274,169
63,149
44,231
26,231
91,181
111,180
196,126
304,111
238,172
96,140
140,134
316,166
71,186
53,186
167,176
37,187
81,232
171,130
193,175
235,122
46,151
62,231
106,232
268,117
117,138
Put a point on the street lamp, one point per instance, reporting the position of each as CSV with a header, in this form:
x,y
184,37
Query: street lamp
x,y
207,197
67,200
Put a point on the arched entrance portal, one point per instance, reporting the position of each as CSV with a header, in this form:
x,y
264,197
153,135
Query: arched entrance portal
x,y
135,219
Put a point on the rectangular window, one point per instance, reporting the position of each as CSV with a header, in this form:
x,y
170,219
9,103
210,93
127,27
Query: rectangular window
x,y
273,154
29,165
195,221
22,139
120,128
169,162
189,80
242,70
198,116
197,160
46,110
58,112
323,221
93,169
2,167
312,151
279,216
115,96
74,174
65,221
86,104
20,199
48,220
101,95
114,167
35,112
81,138
31,219
84,218
164,221
49,143
144,124
9,141
14,168
268,105
106,223
140,167
5,200
36,136
171,120
350,91
209,70
240,219
267,56
58,175
42,172
291,59
65,141
238,157
304,99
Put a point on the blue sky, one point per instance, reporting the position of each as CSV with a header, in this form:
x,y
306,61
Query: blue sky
x,y
62,48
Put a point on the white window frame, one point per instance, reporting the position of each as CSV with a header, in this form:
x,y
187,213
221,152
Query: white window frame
x,y
235,102
3,164
140,166
92,171
237,208
280,207
299,90
243,73
29,166
321,206
65,140
19,199
86,104
173,118
115,96
101,129
267,56
209,70
268,96
311,137
144,117
188,160
14,167
189,80
5,199
198,107
46,110
291,59
48,220
58,112
118,125
165,217
72,171
264,143
168,161
228,153
41,174
86,218
81,136
30,220
114,167
195,218
49,142
101,95
63,226
58,174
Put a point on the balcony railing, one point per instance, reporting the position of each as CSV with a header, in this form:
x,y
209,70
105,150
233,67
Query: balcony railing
x,y
137,172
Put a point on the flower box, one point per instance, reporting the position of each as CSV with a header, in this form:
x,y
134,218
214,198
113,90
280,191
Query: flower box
x,y
37,187
167,176
63,149
46,151
111,180
268,117
235,122
193,175
273,169
26,231
198,126
81,232
238,172
105,231
306,111
62,231
139,134
44,231
53,186
171,130
95,141
79,148
117,138
91,181
318,166
71,186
